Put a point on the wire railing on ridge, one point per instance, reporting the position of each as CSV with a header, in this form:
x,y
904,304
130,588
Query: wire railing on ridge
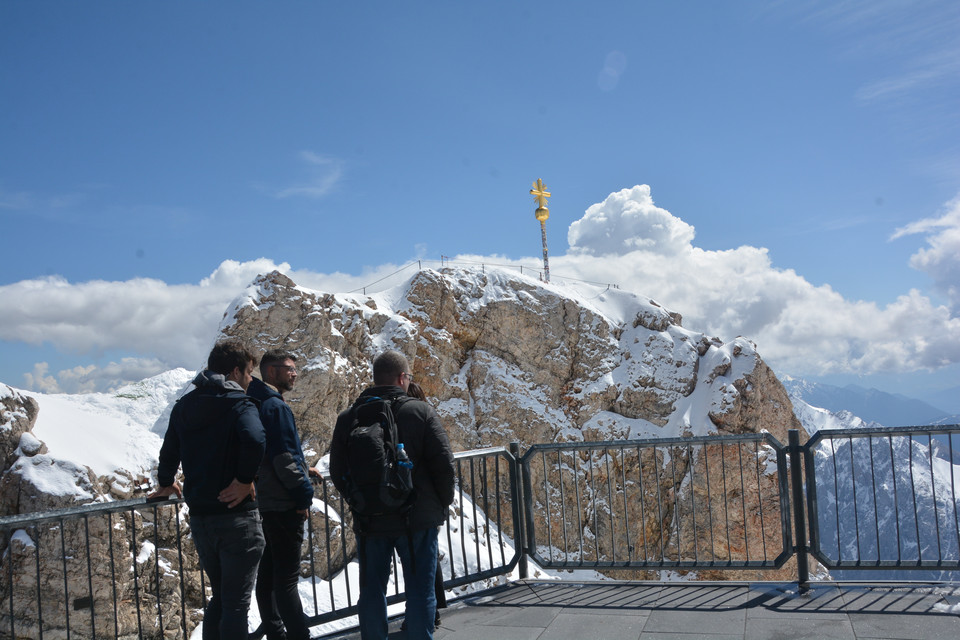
x,y
447,261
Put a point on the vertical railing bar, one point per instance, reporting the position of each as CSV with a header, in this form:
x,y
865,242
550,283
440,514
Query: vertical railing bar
x,y
856,504
626,512
643,509
743,501
953,494
796,481
476,519
933,496
450,554
763,529
563,502
86,536
836,494
36,556
896,499
593,500
10,580
656,469
876,506
706,476
66,591
576,487
463,518
183,588
156,560
726,500
313,561
136,577
325,491
547,503
486,506
496,471
913,493
675,490
693,501
610,499
343,553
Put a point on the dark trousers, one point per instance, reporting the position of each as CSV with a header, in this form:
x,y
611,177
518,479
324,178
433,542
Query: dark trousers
x,y
376,554
229,546
277,596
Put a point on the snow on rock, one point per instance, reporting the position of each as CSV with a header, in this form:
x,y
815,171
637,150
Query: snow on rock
x,y
506,357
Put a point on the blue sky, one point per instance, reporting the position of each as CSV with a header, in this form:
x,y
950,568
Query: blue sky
x,y
339,141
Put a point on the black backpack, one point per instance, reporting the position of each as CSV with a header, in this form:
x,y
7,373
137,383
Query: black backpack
x,y
377,483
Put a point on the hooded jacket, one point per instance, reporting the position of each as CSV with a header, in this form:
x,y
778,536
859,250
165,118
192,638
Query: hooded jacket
x,y
216,435
283,482
427,445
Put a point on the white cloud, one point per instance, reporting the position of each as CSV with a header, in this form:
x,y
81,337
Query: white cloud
x,y
164,326
38,380
324,173
626,240
626,221
798,327
941,259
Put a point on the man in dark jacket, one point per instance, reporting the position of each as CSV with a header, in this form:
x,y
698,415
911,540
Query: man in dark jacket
x,y
414,536
216,435
285,495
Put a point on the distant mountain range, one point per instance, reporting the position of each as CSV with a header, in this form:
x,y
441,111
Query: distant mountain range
x,y
871,405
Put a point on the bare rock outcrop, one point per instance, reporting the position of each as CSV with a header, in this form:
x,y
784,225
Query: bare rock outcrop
x,y
506,358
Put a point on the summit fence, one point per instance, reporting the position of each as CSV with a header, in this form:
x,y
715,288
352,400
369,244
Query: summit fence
x,y
850,500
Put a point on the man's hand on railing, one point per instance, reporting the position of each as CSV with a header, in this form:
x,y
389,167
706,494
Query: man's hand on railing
x,y
236,492
165,492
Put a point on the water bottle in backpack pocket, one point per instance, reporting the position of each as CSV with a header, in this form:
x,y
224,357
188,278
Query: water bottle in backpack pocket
x,y
379,477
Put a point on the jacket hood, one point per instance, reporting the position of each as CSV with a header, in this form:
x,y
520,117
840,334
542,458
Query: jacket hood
x,y
213,397
387,392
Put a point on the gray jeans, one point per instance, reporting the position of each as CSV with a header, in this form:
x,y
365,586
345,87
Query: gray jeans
x,y
229,546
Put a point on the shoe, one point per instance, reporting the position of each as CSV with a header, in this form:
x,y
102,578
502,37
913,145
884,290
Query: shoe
x,y
436,622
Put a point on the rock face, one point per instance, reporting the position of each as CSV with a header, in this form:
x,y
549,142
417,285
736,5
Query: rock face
x,y
507,358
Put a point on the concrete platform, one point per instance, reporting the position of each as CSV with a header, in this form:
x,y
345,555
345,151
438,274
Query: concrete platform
x,y
670,611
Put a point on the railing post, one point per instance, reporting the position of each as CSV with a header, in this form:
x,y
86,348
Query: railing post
x,y
799,519
516,489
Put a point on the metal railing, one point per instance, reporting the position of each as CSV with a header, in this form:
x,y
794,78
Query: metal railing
x,y
716,502
852,499
129,568
900,511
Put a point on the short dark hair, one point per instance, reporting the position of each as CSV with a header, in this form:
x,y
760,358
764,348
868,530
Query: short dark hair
x,y
275,356
388,366
229,355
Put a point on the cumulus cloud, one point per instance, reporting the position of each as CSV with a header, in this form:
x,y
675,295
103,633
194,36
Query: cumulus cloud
x,y
941,259
626,221
799,327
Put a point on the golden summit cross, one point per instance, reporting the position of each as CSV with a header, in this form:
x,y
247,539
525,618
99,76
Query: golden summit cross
x,y
541,194
540,191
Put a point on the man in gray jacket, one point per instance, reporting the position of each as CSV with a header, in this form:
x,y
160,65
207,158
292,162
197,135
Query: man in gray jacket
x,y
285,494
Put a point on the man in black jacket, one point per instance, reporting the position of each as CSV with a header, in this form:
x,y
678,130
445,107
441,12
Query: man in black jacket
x,y
285,494
216,435
414,537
